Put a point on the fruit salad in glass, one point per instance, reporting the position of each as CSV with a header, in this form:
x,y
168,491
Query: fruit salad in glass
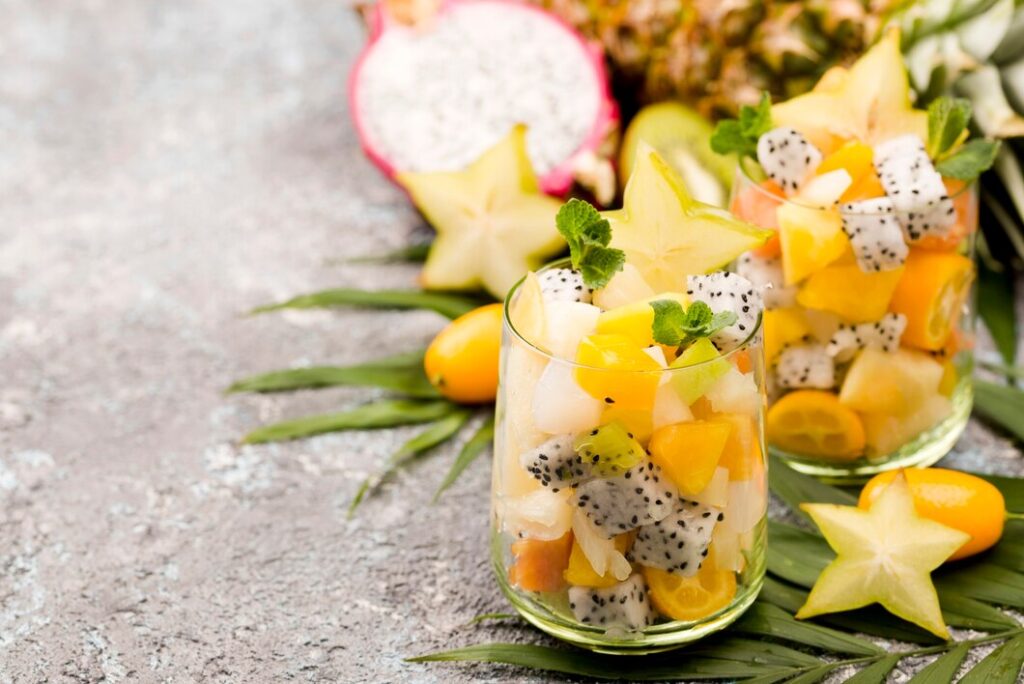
x,y
867,282
629,487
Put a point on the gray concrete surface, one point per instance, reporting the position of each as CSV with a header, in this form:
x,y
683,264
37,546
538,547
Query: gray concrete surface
x,y
164,167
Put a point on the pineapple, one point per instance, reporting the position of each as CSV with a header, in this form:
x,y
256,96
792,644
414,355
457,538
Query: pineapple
x,y
719,54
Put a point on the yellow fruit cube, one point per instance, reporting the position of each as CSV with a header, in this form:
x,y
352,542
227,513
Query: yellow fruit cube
x,y
811,239
742,454
689,452
617,371
782,327
890,382
635,320
852,294
637,422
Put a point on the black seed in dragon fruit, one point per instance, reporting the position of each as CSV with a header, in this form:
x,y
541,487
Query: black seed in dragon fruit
x,y
875,234
726,291
806,365
564,285
787,157
883,334
623,606
922,205
640,496
677,543
766,275
555,463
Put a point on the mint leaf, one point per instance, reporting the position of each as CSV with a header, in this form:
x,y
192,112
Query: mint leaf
x,y
740,135
756,121
728,138
668,321
947,120
678,328
588,235
600,264
970,160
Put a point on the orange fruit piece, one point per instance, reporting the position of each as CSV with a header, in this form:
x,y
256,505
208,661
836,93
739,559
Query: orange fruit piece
x,y
690,598
637,422
813,422
462,361
582,574
931,294
757,204
689,452
611,375
958,500
742,452
845,290
538,564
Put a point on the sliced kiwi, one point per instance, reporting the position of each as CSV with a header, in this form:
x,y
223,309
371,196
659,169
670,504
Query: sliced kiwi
x,y
682,137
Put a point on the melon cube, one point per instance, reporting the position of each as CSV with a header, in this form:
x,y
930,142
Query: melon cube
x,y
886,432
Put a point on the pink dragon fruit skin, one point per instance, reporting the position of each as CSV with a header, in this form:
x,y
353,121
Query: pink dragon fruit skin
x,y
559,179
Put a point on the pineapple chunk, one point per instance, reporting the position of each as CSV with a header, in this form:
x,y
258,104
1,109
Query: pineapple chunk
x,y
811,239
894,383
849,292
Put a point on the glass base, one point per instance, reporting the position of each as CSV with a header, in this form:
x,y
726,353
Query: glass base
x,y
925,450
661,637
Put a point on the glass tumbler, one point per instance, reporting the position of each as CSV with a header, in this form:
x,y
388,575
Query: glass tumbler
x,y
628,507
896,391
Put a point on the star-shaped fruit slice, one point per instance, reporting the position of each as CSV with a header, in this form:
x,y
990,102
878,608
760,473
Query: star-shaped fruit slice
x,y
493,223
884,555
666,234
869,102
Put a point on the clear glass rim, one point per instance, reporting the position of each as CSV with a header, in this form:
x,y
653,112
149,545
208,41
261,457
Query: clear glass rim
x,y
560,263
744,173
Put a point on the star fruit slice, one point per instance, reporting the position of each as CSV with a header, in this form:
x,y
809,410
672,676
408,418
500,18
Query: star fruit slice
x,y
869,102
667,235
493,223
884,555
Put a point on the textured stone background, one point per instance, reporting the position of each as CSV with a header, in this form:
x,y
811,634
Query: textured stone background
x,y
163,168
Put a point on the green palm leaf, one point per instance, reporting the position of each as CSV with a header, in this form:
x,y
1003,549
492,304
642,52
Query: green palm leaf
x,y
380,414
449,305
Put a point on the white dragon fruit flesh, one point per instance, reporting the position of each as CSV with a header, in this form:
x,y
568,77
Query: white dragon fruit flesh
x,y
623,606
725,291
435,97
564,285
555,463
766,275
883,334
639,496
787,157
679,542
805,365
875,234
923,206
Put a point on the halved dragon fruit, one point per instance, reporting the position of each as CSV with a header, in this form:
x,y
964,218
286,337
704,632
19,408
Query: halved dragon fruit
x,y
434,98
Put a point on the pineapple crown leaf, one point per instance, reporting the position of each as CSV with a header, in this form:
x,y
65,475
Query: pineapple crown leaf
x,y
677,327
588,235
740,135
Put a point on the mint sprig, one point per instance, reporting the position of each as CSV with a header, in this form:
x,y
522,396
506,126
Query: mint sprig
x,y
947,120
678,327
588,235
970,160
740,135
